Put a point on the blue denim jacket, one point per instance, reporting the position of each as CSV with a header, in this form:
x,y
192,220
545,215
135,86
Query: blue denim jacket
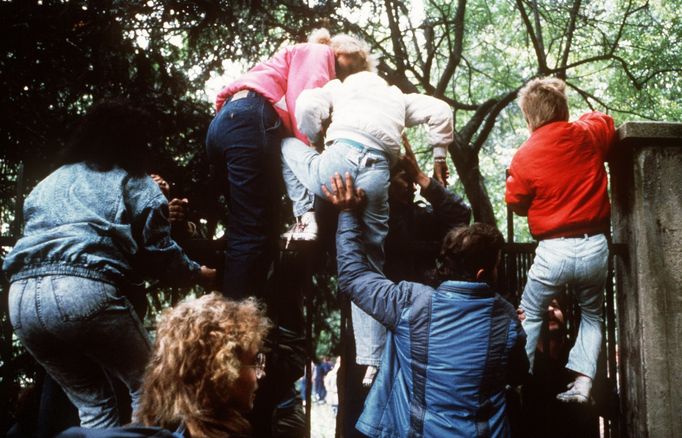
x,y
107,226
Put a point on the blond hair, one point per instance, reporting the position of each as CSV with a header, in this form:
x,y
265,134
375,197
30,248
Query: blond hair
x,y
354,49
195,363
542,101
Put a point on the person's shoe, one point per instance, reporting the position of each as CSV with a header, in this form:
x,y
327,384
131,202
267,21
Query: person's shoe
x,y
370,374
304,229
578,391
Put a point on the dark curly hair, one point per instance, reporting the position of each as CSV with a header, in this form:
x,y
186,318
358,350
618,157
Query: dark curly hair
x,y
112,133
466,250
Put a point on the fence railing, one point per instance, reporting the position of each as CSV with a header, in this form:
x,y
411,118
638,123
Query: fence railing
x,y
517,259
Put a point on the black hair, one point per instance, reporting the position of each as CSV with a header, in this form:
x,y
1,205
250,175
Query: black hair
x,y
112,133
466,250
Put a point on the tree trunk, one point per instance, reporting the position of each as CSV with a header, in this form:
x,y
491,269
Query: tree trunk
x,y
466,164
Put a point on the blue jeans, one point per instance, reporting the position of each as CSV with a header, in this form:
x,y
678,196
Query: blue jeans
x,y
304,171
582,264
83,333
243,144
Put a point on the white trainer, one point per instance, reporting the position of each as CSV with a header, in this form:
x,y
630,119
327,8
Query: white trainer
x,y
578,391
304,229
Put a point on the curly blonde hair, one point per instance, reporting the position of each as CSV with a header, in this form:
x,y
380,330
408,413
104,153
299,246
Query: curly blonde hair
x,y
196,362
543,100
356,50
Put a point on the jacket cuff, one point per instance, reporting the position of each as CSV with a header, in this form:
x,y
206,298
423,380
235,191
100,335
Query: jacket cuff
x,y
440,152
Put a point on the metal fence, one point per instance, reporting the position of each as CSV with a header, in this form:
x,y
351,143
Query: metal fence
x,y
517,259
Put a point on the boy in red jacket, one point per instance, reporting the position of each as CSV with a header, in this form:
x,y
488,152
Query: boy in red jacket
x,y
557,179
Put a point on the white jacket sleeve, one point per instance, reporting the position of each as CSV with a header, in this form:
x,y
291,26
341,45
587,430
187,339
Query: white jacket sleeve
x,y
313,109
437,116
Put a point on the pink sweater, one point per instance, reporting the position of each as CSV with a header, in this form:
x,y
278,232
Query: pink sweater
x,y
282,78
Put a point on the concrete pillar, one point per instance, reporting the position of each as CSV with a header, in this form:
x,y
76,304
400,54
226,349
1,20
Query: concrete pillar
x,y
646,186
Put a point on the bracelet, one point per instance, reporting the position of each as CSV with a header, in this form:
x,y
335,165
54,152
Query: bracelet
x,y
439,160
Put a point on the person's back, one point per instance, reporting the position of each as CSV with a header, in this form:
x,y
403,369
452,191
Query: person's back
x,y
448,360
86,221
92,229
562,164
450,351
557,179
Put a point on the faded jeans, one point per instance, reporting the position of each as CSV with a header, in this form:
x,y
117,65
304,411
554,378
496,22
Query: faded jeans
x,y
83,333
581,264
304,171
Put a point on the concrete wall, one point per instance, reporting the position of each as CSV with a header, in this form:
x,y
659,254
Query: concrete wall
x,y
646,184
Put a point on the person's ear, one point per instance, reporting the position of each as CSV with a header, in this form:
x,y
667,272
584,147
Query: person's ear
x,y
480,275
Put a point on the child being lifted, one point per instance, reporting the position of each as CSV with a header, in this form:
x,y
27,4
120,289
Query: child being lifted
x,y
365,117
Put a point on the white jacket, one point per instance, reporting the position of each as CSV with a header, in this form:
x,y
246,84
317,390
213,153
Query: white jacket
x,y
366,109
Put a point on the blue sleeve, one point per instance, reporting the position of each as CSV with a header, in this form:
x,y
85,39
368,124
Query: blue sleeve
x,y
369,290
518,366
159,255
449,210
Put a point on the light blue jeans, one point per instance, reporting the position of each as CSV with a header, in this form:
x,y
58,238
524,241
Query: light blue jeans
x,y
83,333
581,264
304,171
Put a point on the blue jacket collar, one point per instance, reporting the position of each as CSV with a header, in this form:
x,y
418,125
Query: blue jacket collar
x,y
466,287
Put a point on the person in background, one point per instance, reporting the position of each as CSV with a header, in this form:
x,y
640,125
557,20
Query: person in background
x,y
541,412
450,351
178,211
93,228
416,229
243,141
321,370
331,385
557,178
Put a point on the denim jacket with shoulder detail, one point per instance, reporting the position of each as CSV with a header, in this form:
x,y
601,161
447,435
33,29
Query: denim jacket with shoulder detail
x,y
104,225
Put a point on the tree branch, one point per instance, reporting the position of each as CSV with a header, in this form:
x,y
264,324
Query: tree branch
x,y
569,39
587,96
491,118
456,55
537,44
468,131
395,37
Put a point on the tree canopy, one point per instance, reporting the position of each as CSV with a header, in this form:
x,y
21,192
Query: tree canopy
x,y
620,56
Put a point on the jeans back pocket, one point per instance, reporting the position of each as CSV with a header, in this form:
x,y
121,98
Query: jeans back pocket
x,y
79,299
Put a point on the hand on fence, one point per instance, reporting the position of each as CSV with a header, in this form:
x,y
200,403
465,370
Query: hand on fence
x,y
208,277
162,183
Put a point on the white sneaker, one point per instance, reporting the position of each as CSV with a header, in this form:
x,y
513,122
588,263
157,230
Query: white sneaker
x,y
578,391
304,229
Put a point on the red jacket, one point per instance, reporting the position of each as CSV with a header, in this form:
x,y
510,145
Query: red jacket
x,y
557,177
